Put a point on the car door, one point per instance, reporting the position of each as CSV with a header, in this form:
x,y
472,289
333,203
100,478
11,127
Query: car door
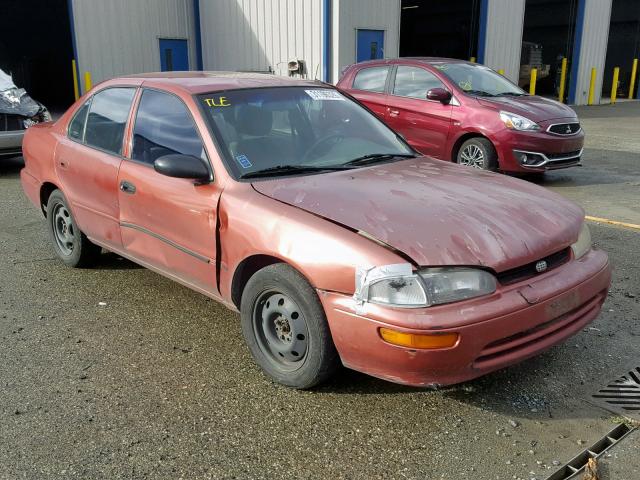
x,y
369,86
424,123
87,160
168,223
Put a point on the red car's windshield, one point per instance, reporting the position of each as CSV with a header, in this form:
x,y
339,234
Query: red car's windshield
x,y
478,79
299,127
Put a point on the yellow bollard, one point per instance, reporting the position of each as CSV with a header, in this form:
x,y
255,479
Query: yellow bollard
x,y
592,87
76,90
472,59
614,85
634,70
532,83
501,71
563,79
87,81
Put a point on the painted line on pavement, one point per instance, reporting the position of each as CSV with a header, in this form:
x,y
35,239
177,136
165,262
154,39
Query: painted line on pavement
x,y
612,222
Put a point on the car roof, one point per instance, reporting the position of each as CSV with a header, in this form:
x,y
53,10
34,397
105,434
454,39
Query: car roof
x,y
413,60
202,82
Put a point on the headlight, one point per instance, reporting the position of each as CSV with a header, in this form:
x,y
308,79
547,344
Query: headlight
x,y
397,285
583,245
517,122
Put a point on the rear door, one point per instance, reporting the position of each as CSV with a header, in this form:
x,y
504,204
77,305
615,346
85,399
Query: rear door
x,y
369,86
87,160
168,223
424,123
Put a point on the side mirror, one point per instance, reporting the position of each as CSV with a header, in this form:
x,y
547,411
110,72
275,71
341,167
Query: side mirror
x,y
439,94
182,166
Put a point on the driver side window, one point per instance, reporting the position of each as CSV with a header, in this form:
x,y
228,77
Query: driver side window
x,y
414,82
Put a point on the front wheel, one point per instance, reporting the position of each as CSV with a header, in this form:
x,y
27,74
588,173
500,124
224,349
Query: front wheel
x,y
478,153
285,327
70,244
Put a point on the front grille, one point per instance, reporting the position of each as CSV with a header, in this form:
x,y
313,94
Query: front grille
x,y
524,272
552,156
506,348
564,128
10,122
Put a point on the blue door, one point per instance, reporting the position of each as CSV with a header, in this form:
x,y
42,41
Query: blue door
x,y
174,55
370,45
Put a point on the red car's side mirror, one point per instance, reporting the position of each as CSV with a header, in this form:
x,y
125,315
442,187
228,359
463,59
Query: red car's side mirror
x,y
439,94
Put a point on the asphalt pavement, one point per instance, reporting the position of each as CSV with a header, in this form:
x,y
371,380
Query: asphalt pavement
x,y
115,372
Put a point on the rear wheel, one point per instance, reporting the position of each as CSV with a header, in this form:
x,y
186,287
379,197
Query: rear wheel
x,y
70,244
478,153
285,327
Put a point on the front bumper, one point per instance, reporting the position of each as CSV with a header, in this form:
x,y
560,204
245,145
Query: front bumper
x,y
517,322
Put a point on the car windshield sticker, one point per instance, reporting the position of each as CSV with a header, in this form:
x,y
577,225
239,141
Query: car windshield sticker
x,y
324,94
465,84
243,161
217,102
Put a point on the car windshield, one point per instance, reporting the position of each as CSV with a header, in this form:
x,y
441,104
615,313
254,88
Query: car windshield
x,y
283,130
478,80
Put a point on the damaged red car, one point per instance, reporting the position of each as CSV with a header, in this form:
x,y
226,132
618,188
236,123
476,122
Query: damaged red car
x,y
338,243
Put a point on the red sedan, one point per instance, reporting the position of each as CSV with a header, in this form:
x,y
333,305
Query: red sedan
x,y
288,201
467,113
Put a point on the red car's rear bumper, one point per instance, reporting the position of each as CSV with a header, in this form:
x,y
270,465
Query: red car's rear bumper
x,y
494,331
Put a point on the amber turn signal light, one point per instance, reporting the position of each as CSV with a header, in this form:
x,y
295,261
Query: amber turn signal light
x,y
415,340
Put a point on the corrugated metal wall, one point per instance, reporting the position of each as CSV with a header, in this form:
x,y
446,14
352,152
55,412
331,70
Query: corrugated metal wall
x,y
261,34
350,15
593,49
118,37
503,40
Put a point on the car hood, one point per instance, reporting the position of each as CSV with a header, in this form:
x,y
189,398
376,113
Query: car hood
x,y
438,213
535,108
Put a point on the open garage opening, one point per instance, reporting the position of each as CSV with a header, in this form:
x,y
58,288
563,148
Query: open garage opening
x,y
439,29
547,37
36,49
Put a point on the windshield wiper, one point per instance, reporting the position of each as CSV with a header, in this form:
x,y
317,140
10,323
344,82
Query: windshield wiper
x,y
514,94
377,157
286,169
481,93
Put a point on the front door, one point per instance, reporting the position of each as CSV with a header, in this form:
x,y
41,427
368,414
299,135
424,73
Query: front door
x,y
174,55
165,222
369,45
424,123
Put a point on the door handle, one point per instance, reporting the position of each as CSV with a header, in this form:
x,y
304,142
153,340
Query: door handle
x,y
127,187
394,113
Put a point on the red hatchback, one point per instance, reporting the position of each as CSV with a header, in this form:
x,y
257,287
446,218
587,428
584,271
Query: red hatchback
x,y
467,113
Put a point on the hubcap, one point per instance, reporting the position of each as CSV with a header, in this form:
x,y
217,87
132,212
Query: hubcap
x,y
63,230
472,156
280,329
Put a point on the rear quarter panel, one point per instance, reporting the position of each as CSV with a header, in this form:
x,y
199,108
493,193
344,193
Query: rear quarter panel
x,y
38,150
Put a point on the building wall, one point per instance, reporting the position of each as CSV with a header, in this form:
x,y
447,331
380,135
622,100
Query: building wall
x,y
350,15
503,36
119,37
594,36
260,35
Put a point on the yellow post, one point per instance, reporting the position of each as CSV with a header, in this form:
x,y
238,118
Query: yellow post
x,y
634,70
532,83
563,79
76,92
592,87
501,71
614,85
87,81
472,59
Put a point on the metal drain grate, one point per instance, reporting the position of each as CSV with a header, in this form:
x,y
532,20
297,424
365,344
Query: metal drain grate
x,y
622,395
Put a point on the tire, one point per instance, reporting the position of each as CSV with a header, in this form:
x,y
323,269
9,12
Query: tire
x,y
69,243
285,328
479,153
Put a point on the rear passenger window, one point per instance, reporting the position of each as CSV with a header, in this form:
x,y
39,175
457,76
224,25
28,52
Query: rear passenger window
x,y
164,126
107,119
76,127
414,82
372,79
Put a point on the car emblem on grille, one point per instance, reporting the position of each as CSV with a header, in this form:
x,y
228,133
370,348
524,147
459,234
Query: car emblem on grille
x,y
541,266
568,128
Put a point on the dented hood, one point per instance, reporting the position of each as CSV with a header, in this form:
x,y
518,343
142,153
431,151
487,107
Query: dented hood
x,y
439,213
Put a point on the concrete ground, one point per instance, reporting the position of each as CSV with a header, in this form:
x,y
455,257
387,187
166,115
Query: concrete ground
x,y
118,373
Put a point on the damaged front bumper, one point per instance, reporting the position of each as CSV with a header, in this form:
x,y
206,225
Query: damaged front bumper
x,y
518,321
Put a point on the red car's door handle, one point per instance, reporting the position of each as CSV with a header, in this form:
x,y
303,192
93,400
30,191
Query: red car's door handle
x,y
127,187
394,113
